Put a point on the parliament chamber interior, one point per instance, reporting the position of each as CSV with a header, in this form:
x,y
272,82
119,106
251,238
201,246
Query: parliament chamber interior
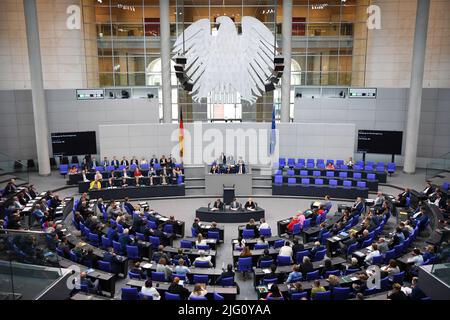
x,y
225,150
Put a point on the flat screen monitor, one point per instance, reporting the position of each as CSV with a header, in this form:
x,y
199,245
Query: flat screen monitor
x,y
74,143
381,142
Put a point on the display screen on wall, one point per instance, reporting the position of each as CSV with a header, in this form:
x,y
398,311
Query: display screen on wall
x,y
74,143
382,142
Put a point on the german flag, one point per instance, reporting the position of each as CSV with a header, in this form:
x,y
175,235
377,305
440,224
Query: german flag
x,y
181,135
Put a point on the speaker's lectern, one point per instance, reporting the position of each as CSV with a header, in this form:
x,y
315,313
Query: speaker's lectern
x,y
228,194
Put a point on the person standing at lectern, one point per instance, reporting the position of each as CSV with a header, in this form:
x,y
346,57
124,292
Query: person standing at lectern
x,y
250,205
218,205
235,205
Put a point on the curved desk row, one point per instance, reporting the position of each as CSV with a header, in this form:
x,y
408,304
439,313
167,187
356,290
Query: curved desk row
x,y
371,184
318,191
138,192
83,186
228,216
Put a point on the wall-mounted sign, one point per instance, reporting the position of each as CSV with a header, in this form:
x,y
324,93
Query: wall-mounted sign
x,y
362,93
90,94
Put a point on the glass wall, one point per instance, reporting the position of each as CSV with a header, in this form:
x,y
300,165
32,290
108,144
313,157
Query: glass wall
x,y
123,46
28,264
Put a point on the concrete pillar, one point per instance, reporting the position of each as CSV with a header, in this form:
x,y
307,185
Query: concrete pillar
x,y
37,86
415,91
164,19
287,53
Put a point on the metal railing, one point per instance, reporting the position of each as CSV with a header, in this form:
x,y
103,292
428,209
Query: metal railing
x,y
438,165
18,168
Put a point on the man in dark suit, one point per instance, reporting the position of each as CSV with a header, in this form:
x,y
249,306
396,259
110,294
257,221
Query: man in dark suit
x,y
176,288
429,189
153,160
297,247
228,273
115,162
124,162
127,206
196,226
357,206
105,162
235,205
217,205
250,205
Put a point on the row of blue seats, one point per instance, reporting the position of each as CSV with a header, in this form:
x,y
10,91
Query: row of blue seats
x,y
390,168
332,182
338,164
64,168
134,294
330,174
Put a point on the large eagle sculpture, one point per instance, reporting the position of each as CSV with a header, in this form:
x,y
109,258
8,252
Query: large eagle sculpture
x,y
227,63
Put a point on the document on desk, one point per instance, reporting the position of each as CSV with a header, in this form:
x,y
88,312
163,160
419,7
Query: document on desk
x,y
266,271
147,266
90,270
164,219
336,238
343,234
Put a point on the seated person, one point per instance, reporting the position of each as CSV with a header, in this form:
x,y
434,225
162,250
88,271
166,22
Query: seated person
x,y
390,269
374,253
200,240
429,189
240,166
152,175
396,293
235,205
181,269
272,274
138,270
379,200
148,290
199,290
73,170
317,287
299,218
246,252
251,225
357,206
327,266
350,163
93,286
203,257
250,205
317,247
401,198
196,226
265,257
228,273
176,288
275,293
163,267
295,275
214,169
330,166
137,175
217,205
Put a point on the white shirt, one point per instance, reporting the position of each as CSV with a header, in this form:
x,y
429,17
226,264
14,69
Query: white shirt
x,y
151,292
371,255
264,225
285,251
417,260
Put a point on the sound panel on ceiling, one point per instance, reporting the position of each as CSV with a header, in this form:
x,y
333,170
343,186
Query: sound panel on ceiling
x,y
180,60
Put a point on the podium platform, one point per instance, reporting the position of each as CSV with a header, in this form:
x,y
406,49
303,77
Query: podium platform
x,y
229,216
242,182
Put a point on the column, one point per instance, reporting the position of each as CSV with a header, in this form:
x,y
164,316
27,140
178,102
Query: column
x,y
164,20
287,53
37,86
415,90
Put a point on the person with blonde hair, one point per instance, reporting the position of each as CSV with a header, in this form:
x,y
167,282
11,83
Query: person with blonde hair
x,y
199,290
